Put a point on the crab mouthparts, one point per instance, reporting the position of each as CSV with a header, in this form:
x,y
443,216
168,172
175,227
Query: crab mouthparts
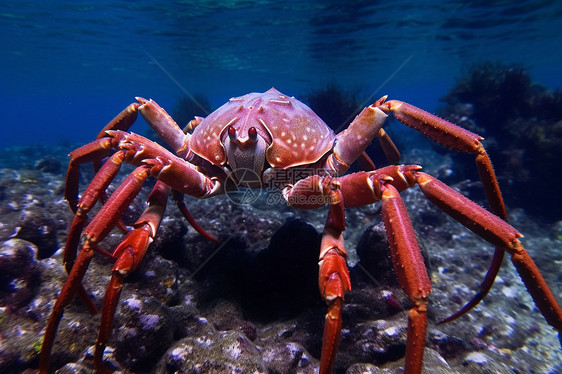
x,y
246,157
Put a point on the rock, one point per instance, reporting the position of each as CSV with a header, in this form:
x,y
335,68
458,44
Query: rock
x,y
277,282
374,256
37,226
144,329
433,363
285,280
375,342
20,276
214,352
48,165
482,362
288,358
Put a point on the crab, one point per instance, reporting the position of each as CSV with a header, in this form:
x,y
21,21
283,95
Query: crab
x,y
249,140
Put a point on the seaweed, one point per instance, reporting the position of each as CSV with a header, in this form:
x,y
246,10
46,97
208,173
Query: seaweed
x,y
186,108
522,123
334,104
498,92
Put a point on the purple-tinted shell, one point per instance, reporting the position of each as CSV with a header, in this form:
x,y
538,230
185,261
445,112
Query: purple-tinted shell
x,y
294,133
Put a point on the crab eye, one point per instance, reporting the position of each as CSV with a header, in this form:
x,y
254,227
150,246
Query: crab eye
x,y
232,133
253,134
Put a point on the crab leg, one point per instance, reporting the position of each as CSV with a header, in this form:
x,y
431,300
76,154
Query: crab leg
x,y
411,272
172,170
164,126
459,139
351,142
334,279
96,231
123,121
129,254
483,223
136,150
455,138
365,188
390,151
334,282
65,297
95,152
484,287
178,198
499,233
152,160
89,198
91,152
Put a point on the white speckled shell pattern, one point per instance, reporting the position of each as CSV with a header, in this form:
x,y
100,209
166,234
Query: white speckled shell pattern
x,y
294,133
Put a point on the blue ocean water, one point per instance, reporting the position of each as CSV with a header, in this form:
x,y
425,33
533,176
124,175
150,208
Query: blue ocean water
x,y
67,67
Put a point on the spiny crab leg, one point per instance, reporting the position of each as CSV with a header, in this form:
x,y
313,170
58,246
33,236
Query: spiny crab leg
x,y
367,125
483,289
477,219
498,232
406,255
129,254
453,137
164,126
90,197
178,198
137,150
95,152
390,151
333,278
351,142
91,152
410,269
97,230
123,121
152,160
178,139
459,139
365,188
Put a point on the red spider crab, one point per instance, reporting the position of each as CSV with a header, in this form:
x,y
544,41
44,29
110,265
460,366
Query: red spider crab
x,y
265,133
